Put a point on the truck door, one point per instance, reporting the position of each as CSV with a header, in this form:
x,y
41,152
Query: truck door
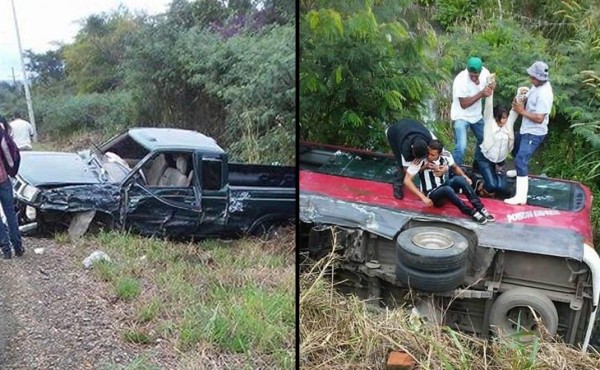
x,y
212,185
159,197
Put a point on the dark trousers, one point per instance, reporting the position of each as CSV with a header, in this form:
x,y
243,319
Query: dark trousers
x,y
494,181
526,145
447,192
9,233
398,182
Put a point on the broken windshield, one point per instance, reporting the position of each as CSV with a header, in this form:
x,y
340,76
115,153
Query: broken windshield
x,y
106,167
114,166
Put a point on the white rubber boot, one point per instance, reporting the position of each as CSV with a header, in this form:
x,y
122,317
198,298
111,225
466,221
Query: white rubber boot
x,y
521,193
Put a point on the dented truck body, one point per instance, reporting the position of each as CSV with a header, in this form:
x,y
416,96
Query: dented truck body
x,y
534,261
154,181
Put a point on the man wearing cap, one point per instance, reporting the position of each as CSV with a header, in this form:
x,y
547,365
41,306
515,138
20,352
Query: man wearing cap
x,y
533,128
468,89
408,140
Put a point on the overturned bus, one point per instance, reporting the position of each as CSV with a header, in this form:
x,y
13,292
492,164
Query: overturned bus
x,y
535,262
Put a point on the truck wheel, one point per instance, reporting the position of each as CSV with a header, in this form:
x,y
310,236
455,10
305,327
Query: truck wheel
x,y
514,313
432,249
430,281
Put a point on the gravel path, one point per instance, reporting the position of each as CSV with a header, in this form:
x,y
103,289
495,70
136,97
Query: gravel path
x,y
57,315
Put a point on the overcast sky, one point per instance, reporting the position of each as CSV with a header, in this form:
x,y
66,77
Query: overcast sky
x,y
42,23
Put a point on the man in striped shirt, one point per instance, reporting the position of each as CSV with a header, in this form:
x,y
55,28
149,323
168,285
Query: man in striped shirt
x,y
435,190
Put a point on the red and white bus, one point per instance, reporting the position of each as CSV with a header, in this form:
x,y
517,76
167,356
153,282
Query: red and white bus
x,y
535,260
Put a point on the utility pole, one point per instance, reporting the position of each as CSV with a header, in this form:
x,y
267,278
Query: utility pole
x,y
25,79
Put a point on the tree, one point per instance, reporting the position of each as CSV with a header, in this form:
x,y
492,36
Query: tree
x,y
45,68
357,74
253,76
93,61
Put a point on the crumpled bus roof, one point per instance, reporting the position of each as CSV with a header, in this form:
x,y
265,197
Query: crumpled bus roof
x,y
357,193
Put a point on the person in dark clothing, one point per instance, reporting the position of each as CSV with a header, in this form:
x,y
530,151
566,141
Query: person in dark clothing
x,y
9,232
435,190
408,139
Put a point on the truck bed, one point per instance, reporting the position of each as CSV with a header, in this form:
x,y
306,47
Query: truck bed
x,y
256,175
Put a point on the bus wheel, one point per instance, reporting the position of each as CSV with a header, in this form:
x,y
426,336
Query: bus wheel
x,y
432,249
429,281
521,313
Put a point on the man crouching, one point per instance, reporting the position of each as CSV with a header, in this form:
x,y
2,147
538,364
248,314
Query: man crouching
x,y
436,190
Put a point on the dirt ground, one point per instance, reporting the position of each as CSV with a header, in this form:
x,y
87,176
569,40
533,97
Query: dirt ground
x,y
57,315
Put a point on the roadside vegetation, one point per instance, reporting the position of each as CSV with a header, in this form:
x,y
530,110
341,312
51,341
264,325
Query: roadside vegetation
x,y
233,301
223,68
344,332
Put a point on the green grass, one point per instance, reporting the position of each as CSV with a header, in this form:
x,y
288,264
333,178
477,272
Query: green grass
x,y
136,336
128,288
236,297
108,271
62,238
149,311
139,363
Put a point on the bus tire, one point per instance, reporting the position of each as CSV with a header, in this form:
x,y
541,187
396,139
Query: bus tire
x,y
432,249
514,314
429,281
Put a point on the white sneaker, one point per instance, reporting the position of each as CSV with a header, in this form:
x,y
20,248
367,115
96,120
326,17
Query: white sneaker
x,y
511,173
479,218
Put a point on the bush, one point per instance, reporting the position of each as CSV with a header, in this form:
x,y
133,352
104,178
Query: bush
x,y
358,73
63,115
252,75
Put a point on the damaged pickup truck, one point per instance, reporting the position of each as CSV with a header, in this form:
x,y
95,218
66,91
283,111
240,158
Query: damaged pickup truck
x,y
535,261
153,181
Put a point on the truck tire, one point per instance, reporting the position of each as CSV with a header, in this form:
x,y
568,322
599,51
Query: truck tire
x,y
432,249
430,281
512,315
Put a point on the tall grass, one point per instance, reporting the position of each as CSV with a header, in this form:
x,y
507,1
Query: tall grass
x,y
235,297
343,332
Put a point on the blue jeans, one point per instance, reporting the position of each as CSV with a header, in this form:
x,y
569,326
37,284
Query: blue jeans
x,y
494,181
527,144
447,192
8,205
460,138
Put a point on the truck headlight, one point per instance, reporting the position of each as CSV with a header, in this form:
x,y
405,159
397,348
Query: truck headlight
x,y
29,192
30,213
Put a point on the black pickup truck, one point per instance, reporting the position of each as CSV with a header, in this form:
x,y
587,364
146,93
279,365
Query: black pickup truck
x,y
154,181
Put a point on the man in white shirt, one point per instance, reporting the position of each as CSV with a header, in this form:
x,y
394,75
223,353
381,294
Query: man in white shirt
x,y
533,128
436,190
468,89
21,132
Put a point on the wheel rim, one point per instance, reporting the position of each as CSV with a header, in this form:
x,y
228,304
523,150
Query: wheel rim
x,y
523,319
432,240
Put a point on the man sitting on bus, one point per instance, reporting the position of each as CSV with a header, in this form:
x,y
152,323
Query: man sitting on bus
x,y
435,190
408,140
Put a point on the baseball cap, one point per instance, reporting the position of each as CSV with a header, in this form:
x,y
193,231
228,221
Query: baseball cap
x,y
474,64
